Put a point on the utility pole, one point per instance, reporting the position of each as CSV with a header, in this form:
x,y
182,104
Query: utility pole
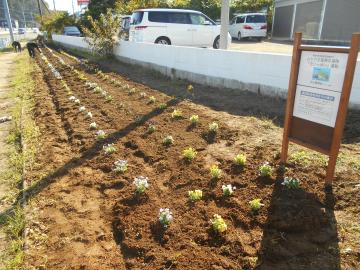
x,y
54,5
72,2
8,18
224,30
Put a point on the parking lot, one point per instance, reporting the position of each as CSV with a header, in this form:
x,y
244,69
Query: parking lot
x,y
263,46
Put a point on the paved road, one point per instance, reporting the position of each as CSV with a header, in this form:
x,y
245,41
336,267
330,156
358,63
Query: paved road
x,y
6,60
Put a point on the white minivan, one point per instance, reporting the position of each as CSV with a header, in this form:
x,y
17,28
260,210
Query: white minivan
x,y
248,25
174,27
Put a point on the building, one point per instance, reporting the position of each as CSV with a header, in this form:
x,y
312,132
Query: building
x,y
320,20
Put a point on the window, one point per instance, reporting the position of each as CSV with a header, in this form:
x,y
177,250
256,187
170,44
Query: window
x,y
255,19
240,19
179,17
137,17
197,19
233,20
159,17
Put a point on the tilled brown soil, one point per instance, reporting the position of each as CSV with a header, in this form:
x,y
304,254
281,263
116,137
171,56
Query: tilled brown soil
x,y
94,220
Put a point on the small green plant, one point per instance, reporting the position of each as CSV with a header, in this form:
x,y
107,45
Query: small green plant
x,y
120,166
291,183
215,172
132,91
195,195
162,106
189,153
228,190
93,126
240,160
143,95
151,128
213,127
190,88
168,140
265,170
141,184
255,205
194,119
109,98
176,114
151,100
100,135
218,224
165,217
109,148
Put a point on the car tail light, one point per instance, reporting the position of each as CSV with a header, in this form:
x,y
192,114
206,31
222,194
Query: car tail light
x,y
248,27
140,27
264,27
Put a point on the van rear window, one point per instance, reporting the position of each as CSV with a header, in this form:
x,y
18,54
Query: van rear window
x,y
169,17
137,17
255,19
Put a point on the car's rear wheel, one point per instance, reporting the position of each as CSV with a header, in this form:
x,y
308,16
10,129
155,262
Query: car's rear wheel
x,y
239,36
216,44
163,41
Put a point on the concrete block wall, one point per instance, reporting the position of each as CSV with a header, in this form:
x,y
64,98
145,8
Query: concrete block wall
x,y
263,73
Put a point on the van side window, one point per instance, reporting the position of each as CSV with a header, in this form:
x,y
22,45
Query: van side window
x,y
155,16
179,17
256,19
197,19
240,19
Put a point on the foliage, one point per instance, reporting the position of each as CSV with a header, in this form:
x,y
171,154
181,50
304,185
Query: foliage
x,y
176,114
213,127
121,166
102,35
141,184
189,153
240,160
55,22
93,125
228,190
265,170
194,119
218,224
165,216
291,183
168,140
195,195
100,135
109,149
151,128
255,205
215,172
152,100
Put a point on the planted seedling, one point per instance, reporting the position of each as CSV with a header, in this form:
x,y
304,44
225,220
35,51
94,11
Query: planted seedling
x,y
215,172
100,135
218,224
93,126
151,128
213,127
82,109
109,98
168,140
121,166
109,148
97,89
195,195
255,205
141,184
89,115
176,114
132,91
143,95
228,190
103,93
194,119
165,217
162,106
77,101
189,153
291,183
151,100
72,98
265,170
240,160
190,88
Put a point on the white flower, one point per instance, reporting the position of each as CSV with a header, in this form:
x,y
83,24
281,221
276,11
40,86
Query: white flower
x,y
103,93
213,127
109,148
89,115
100,134
77,101
141,184
93,125
165,216
121,166
82,109
228,190
72,98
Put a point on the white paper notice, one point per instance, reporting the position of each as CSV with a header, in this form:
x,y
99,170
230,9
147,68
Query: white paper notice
x,y
316,105
322,70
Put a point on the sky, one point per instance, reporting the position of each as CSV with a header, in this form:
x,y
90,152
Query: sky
x,y
63,5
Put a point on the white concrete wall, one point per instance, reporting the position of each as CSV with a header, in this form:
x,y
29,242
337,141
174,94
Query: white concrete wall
x,y
265,73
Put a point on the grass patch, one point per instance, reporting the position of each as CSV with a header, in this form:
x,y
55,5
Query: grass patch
x,y
23,132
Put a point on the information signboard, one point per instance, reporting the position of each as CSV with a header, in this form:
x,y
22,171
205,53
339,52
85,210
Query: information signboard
x,y
318,96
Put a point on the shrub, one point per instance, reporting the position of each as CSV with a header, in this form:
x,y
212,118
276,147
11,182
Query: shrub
x,y
93,125
291,183
109,149
194,119
218,224
176,114
255,205
100,135
120,166
168,140
195,195
165,216
189,153
228,190
141,184
213,127
265,170
215,172
240,160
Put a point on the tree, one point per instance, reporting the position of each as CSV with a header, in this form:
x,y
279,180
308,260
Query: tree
x,y
55,22
101,36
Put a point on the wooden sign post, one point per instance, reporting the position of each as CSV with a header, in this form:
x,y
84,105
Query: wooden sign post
x,y
318,97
